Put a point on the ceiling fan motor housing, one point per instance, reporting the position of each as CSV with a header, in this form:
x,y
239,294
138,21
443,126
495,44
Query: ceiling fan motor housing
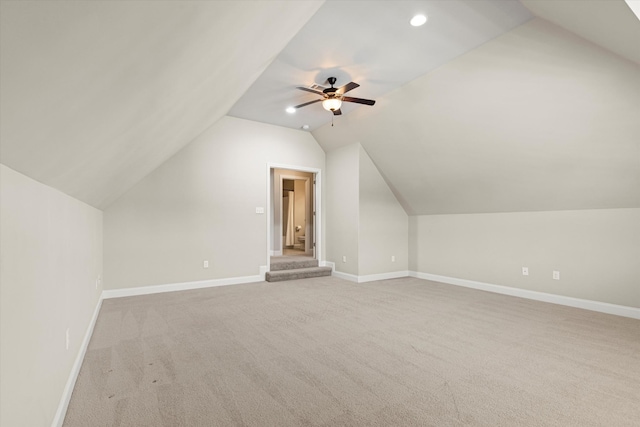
x,y
330,90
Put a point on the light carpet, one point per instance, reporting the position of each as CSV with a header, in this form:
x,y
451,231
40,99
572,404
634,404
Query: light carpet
x,y
327,352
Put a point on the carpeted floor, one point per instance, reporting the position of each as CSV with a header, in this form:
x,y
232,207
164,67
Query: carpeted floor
x,y
294,252
327,352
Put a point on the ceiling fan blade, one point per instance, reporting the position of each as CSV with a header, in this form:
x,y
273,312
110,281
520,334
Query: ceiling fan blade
x,y
358,100
307,103
337,112
306,89
346,88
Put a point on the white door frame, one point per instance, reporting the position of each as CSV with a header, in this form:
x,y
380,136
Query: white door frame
x,y
317,207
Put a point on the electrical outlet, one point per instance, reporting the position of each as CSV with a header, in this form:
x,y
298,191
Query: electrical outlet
x,y
205,264
393,258
556,275
259,210
525,271
67,339
344,258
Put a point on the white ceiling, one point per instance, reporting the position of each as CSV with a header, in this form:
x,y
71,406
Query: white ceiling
x,y
480,110
537,119
372,44
608,23
95,95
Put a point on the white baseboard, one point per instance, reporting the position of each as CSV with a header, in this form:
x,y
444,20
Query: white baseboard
x,y
172,287
345,276
327,264
364,279
602,307
275,253
75,370
382,276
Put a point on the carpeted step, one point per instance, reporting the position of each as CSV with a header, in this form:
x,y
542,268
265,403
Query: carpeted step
x,y
293,263
298,273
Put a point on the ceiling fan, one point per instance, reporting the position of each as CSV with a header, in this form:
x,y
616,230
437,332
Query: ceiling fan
x,y
332,97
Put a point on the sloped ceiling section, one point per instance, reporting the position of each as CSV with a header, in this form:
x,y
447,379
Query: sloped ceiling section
x,y
608,23
536,119
95,95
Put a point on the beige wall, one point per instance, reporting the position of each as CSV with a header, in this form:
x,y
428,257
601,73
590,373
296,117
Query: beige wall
x,y
51,250
365,221
201,205
342,208
383,223
596,251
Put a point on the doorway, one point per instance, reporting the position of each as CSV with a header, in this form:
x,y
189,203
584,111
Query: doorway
x,y
296,237
293,211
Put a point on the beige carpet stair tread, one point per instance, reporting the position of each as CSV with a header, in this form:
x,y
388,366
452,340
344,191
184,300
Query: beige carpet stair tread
x,y
292,263
298,273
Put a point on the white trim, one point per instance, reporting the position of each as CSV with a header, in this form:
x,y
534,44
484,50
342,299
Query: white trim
x,y
345,276
370,277
602,307
263,272
61,412
327,264
383,276
172,287
363,279
275,253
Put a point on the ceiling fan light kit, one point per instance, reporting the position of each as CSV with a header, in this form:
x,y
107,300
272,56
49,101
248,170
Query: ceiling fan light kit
x,y
331,104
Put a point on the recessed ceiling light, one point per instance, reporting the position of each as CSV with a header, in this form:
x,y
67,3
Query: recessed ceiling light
x,y
418,20
290,110
305,127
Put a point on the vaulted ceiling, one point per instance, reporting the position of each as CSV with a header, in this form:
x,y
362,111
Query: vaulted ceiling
x,y
372,44
95,95
492,106
538,119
